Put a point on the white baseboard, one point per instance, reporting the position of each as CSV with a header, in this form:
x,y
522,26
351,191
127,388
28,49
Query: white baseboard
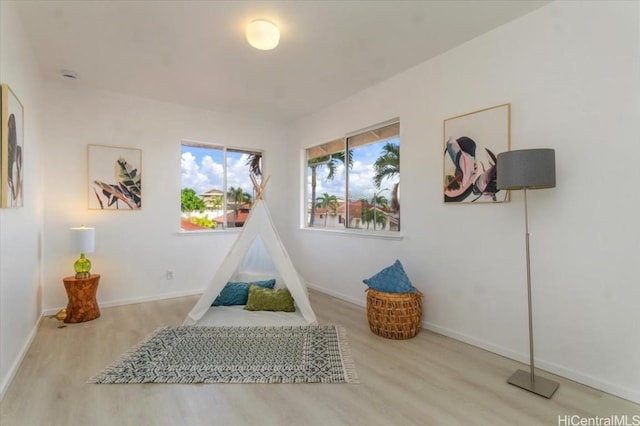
x,y
122,302
568,373
577,376
337,295
16,363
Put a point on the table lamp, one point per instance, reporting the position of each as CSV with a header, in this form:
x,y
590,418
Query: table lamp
x,y
83,241
528,169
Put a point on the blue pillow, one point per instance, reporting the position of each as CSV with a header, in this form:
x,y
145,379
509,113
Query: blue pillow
x,y
237,293
391,279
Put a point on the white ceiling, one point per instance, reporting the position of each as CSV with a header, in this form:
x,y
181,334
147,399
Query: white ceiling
x,y
195,53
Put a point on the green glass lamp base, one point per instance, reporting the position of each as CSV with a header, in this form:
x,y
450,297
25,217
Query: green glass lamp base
x,y
82,267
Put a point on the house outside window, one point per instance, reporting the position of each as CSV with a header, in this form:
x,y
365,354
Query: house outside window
x,y
354,182
216,188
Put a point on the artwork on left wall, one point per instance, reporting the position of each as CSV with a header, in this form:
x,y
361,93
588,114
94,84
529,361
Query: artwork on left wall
x,y
115,177
12,152
472,142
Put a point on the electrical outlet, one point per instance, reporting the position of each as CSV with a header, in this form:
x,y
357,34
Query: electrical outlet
x,y
169,274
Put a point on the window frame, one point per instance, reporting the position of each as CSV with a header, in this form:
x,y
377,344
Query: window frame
x,y
225,188
306,195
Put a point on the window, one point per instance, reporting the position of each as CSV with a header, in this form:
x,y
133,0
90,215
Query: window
x,y
354,182
217,192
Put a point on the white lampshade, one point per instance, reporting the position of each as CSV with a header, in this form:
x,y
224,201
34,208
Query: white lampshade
x,y
263,34
83,239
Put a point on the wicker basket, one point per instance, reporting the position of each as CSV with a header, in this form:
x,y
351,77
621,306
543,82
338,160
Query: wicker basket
x,y
394,315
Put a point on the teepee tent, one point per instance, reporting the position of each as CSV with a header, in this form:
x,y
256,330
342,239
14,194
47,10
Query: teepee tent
x,y
258,246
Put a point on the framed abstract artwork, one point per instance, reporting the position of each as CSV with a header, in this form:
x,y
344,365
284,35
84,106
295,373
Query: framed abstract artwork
x,y
472,142
12,151
115,177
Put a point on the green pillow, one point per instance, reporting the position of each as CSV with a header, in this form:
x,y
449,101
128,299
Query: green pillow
x,y
267,299
236,292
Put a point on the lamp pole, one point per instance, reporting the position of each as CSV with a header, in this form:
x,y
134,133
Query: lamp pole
x,y
529,381
528,169
528,235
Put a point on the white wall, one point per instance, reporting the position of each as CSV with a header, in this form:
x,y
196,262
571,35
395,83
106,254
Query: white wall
x,y
571,72
21,228
135,248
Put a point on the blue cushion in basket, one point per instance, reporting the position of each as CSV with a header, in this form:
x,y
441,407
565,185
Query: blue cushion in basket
x,y
236,293
391,279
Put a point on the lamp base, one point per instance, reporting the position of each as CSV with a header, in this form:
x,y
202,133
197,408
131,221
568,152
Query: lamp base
x,y
541,386
82,267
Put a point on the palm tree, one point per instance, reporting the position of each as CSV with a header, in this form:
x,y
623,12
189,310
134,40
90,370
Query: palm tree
x,y
370,215
379,219
386,167
378,200
327,202
216,202
254,161
331,161
363,213
367,216
238,196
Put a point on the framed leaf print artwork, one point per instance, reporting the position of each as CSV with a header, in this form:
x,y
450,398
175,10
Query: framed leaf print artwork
x,y
471,144
12,151
115,178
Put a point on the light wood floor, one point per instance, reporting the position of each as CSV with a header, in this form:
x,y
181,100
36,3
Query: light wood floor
x,y
428,380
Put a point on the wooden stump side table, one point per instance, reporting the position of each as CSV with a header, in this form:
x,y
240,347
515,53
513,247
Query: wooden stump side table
x,y
81,292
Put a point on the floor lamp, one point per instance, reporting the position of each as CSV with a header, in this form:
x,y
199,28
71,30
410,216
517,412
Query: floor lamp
x,y
528,169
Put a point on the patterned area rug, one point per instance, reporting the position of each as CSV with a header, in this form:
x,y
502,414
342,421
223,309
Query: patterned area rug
x,y
291,354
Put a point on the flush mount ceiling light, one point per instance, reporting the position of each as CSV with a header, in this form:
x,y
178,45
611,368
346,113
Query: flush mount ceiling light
x,y
263,34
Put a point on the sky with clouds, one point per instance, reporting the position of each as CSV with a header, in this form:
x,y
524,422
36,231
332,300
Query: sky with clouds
x,y
202,169
360,176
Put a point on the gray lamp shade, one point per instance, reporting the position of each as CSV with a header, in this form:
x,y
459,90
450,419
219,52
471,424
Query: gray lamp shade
x,y
526,169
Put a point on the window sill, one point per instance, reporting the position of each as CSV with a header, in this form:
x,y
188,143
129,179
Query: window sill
x,y
211,232
386,235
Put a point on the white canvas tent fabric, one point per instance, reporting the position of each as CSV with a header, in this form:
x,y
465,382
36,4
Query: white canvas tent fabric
x,y
257,251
